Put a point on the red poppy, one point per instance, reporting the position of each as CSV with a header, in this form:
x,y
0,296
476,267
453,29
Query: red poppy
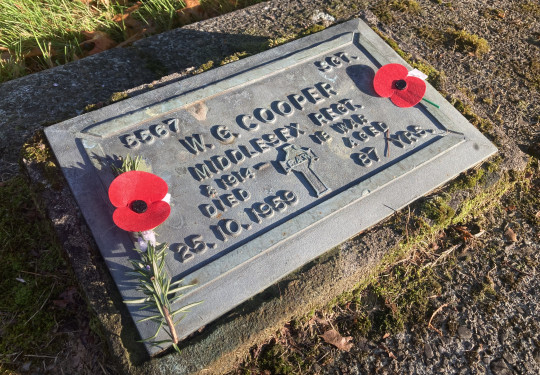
x,y
137,197
391,81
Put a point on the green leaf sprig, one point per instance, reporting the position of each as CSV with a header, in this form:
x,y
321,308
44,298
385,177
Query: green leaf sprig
x,y
128,164
160,293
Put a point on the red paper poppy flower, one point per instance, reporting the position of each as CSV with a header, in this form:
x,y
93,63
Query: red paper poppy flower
x,y
137,197
391,81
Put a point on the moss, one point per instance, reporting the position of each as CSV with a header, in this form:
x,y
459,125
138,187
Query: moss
x,y
383,13
493,13
432,36
117,96
530,72
204,67
481,201
279,41
404,293
465,42
311,30
435,77
92,107
437,210
36,150
469,180
384,9
481,123
406,6
362,324
483,290
487,101
274,360
234,57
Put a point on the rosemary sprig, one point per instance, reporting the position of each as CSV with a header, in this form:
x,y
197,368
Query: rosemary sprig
x,y
160,293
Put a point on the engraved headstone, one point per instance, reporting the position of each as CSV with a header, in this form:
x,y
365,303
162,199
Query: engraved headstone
x,y
270,162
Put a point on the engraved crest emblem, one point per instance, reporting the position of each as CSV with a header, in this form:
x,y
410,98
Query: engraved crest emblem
x,y
300,159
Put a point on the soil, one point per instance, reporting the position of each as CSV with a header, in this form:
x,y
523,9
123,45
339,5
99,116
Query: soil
x,y
480,311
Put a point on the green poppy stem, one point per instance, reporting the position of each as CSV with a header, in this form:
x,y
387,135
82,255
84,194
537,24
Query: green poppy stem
x,y
430,102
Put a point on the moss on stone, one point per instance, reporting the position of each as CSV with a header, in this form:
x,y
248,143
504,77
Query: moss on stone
x,y
466,42
117,96
274,359
493,13
234,57
37,150
406,6
437,210
404,292
315,28
204,67
468,180
92,107
530,73
432,36
484,125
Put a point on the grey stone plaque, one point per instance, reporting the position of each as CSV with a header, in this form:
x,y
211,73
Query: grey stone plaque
x,y
270,162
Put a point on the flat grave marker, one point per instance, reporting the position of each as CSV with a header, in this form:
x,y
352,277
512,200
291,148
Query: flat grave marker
x,y
270,162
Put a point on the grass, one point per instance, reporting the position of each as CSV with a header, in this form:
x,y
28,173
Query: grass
x,y
33,274
40,34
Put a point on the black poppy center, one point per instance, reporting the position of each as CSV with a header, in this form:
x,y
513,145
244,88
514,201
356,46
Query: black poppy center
x,y
139,206
401,84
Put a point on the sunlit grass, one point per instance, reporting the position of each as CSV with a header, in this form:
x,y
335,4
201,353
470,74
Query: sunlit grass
x,y
36,35
40,34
